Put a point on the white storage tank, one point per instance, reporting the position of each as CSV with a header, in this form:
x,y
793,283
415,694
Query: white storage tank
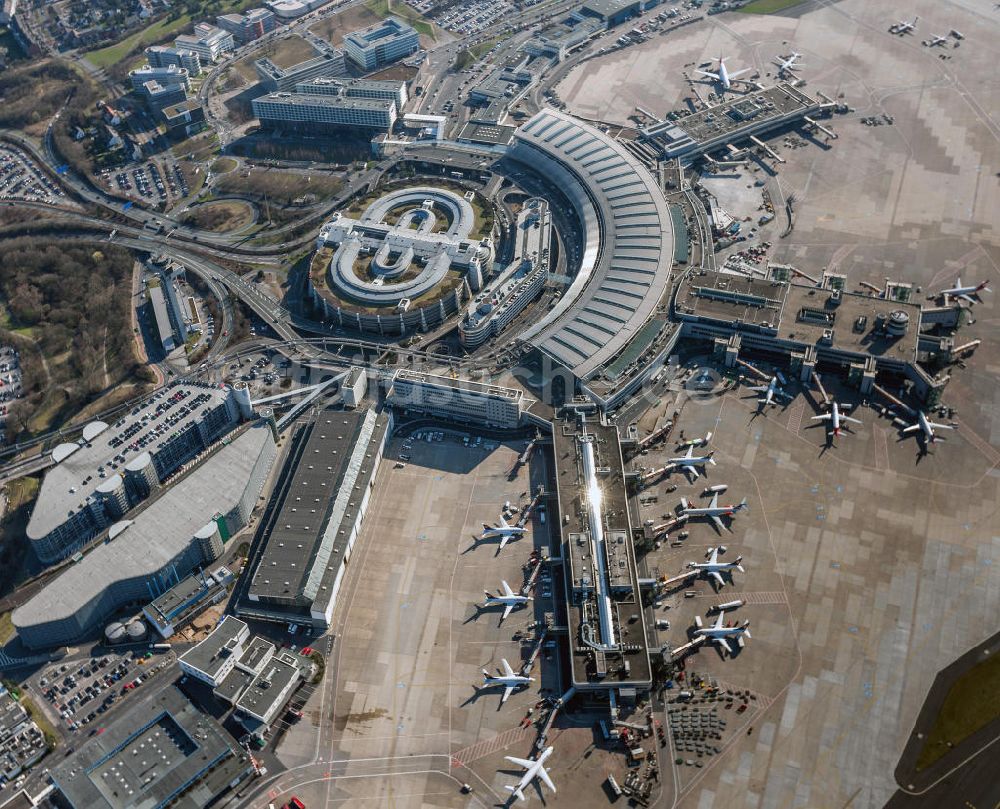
x,y
115,632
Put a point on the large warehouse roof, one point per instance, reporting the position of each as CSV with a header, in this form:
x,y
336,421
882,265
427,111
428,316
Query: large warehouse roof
x,y
629,241
159,534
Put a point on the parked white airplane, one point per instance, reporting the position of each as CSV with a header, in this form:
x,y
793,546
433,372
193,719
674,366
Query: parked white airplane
x,y
503,531
927,427
770,390
722,75
713,510
835,417
970,294
509,680
935,40
508,598
723,635
713,567
533,769
696,442
689,463
903,27
788,64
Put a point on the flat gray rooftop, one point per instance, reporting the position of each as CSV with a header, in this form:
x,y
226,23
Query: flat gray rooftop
x,y
261,696
72,480
160,751
305,538
738,112
159,534
576,543
221,643
337,101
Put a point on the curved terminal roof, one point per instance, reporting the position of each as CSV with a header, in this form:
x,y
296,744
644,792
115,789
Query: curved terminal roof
x,y
628,240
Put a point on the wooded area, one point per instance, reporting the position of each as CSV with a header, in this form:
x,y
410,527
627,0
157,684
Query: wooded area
x,y
66,306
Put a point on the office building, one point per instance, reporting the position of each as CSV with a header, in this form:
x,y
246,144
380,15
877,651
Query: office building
x,y
268,692
291,9
458,399
184,119
323,114
212,659
274,79
356,88
163,56
315,517
182,530
182,602
169,76
113,467
381,44
248,26
162,751
208,41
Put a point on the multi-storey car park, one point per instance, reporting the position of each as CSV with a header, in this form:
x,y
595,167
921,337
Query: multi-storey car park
x,y
113,467
305,542
196,760
608,650
182,529
407,263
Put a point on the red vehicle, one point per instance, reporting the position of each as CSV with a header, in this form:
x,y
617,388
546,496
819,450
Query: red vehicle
x,y
306,651
295,803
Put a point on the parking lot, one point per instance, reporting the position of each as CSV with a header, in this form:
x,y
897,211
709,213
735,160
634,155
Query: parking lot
x,y
164,182
79,693
21,178
10,381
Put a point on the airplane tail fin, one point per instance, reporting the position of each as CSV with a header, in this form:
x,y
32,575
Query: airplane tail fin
x,y
739,564
746,629
711,459
708,437
517,791
743,504
486,674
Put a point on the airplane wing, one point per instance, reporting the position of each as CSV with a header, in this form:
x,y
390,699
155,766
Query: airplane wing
x,y
507,670
506,611
718,621
911,429
852,420
690,452
824,417
504,539
506,589
520,762
545,777
709,74
935,426
718,523
718,578
759,388
714,557
968,299
692,473
503,522
507,691
715,500
736,73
